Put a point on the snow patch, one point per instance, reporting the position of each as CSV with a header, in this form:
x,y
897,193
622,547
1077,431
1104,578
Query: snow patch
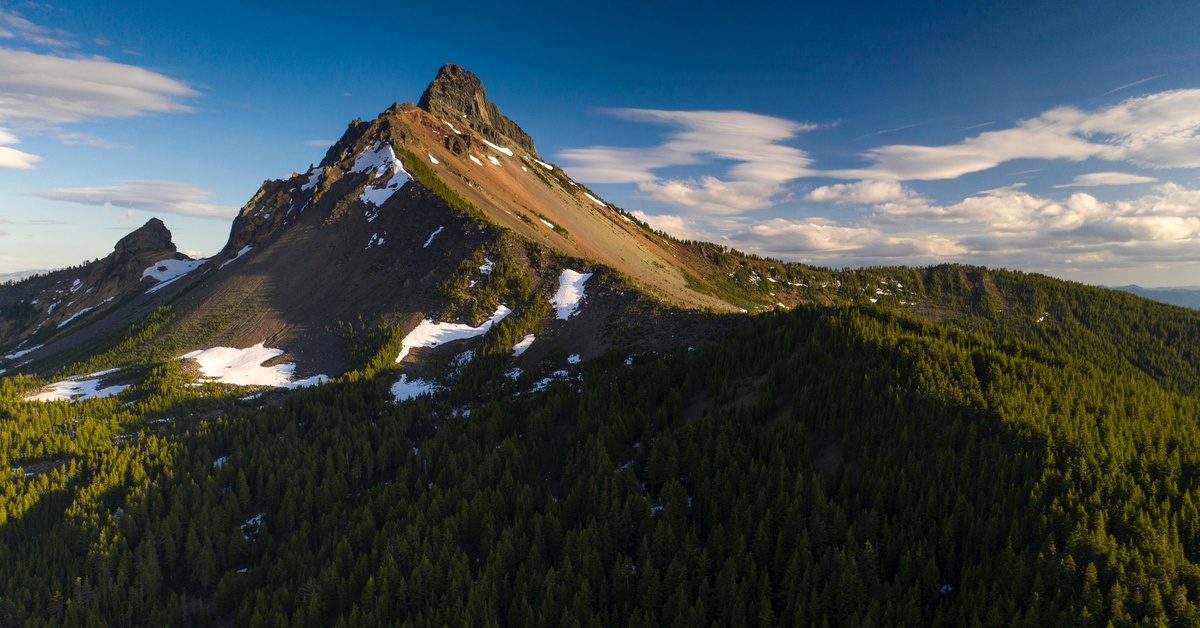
x,y
524,344
542,384
570,292
573,358
430,240
245,250
487,267
499,148
78,389
314,175
404,390
14,356
84,311
244,367
452,127
596,200
375,240
546,222
167,271
380,160
544,164
431,334
433,160
626,218
493,160
220,462
476,160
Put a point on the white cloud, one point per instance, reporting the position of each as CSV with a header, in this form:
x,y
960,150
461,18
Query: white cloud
x,y
712,195
680,227
11,158
1106,178
38,92
861,192
819,239
44,88
1155,131
150,196
762,164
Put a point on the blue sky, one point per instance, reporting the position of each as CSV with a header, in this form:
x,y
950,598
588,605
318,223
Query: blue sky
x,y
1061,139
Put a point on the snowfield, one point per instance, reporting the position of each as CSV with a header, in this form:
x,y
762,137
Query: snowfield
x,y
244,367
77,389
431,334
524,344
380,159
168,271
570,293
404,389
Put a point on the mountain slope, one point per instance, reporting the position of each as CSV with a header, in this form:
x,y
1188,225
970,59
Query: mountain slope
x,y
370,237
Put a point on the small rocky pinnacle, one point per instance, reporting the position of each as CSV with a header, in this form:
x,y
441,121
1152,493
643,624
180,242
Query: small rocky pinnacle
x,y
151,238
456,93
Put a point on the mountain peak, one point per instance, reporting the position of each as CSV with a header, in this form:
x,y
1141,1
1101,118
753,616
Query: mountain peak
x,y
151,238
457,94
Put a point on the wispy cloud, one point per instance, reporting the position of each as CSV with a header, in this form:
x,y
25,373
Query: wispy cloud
x,y
44,88
753,141
1156,131
151,196
1106,178
320,143
884,132
39,92
15,27
1128,85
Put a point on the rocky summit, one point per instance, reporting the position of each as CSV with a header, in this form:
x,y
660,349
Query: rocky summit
x,y
457,95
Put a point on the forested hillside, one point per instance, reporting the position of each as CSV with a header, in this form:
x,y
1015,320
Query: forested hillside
x,y
972,448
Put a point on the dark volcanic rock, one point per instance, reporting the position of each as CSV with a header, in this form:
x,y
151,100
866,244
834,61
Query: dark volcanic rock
x,y
151,240
457,92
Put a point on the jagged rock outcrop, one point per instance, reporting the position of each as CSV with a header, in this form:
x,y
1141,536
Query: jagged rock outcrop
x,y
456,93
148,244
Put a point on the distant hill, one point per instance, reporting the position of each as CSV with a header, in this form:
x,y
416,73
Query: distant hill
x,y
1185,296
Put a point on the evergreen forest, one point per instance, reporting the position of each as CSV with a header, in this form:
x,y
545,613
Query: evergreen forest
x,y
997,449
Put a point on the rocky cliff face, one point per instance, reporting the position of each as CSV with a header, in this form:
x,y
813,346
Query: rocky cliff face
x,y
457,95
135,252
